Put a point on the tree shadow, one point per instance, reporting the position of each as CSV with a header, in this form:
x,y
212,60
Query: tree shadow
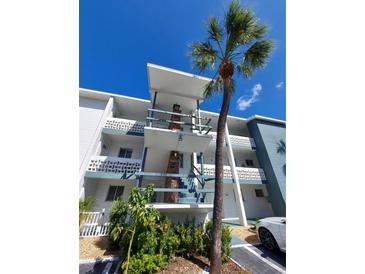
x,y
103,244
281,149
199,262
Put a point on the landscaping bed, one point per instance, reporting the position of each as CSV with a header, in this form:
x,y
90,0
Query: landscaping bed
x,y
94,247
245,233
196,265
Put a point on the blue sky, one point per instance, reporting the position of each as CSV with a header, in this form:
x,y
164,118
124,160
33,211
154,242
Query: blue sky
x,y
118,38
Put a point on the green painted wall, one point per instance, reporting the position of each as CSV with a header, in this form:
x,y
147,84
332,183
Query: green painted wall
x,y
270,139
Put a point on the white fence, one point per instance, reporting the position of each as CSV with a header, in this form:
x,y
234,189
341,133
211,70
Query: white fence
x,y
95,224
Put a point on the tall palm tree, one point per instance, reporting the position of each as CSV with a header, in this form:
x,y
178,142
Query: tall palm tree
x,y
238,44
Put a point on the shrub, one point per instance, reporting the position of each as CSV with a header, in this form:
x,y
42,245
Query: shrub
x,y
117,223
84,206
226,241
191,238
169,241
146,263
147,241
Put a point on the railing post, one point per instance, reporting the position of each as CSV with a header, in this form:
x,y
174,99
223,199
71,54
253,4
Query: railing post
x,y
237,187
198,115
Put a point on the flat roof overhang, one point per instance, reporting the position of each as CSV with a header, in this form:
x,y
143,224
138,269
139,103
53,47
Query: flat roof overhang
x,y
173,140
176,83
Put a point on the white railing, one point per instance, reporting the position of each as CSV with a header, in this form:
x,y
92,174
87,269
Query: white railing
x,y
94,224
244,173
125,125
114,165
237,141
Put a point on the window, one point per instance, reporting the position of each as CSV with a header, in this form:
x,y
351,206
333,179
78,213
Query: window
x,y
125,153
249,162
259,193
114,193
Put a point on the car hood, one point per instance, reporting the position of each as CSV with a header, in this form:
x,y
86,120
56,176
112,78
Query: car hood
x,y
273,219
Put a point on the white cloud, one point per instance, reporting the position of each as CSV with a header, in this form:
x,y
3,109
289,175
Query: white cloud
x,y
243,104
279,85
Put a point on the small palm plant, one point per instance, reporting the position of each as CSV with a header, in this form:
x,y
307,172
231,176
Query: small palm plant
x,y
85,206
236,44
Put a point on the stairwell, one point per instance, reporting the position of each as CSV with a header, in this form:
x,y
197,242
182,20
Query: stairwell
x,y
173,166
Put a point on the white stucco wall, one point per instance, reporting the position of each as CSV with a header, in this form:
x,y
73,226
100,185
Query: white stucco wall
x,y
101,191
256,206
136,146
90,114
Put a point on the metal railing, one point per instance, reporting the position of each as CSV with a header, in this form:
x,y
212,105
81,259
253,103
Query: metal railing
x,y
193,121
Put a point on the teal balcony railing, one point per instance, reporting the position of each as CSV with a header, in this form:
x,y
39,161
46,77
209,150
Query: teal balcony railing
x,y
162,119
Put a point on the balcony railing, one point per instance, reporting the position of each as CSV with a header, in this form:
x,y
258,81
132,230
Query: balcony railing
x,y
162,119
237,141
117,167
244,173
125,126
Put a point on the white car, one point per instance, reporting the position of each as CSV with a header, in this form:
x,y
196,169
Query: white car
x,y
272,233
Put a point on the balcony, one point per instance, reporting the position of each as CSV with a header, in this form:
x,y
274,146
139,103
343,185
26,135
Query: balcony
x,y
105,167
174,131
237,142
246,175
119,126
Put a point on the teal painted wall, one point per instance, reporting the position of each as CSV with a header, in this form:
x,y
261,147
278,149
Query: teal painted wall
x,y
270,139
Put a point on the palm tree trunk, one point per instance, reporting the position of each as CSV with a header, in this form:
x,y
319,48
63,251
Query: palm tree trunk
x,y
215,254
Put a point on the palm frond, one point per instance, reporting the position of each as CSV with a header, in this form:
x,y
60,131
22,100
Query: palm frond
x,y
203,54
214,29
256,56
214,86
242,27
245,68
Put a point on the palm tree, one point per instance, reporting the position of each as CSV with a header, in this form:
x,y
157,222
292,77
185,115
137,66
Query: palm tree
x,y
238,44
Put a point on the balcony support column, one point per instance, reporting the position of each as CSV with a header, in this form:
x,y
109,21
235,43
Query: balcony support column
x,y
237,187
153,107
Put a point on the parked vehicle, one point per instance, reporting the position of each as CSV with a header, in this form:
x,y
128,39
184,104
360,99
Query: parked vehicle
x,y
272,233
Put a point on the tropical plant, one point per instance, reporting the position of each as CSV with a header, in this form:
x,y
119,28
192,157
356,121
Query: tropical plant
x,y
146,240
239,44
191,237
226,241
85,206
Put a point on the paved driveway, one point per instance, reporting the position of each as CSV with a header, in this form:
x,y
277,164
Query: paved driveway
x,y
98,267
259,260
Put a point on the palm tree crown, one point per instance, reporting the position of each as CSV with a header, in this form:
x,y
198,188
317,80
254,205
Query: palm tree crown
x,y
237,43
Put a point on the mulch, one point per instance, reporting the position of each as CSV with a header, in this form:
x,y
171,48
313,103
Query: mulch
x,y
196,265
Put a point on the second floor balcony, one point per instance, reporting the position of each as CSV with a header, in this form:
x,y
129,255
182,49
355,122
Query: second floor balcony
x,y
237,142
246,175
105,167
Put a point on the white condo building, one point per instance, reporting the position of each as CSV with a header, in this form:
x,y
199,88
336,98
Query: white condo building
x,y
169,141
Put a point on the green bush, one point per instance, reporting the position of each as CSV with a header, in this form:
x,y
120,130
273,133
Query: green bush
x,y
168,241
191,238
148,241
226,241
146,263
117,223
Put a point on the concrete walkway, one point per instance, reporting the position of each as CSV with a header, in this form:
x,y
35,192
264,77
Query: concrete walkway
x,y
259,260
